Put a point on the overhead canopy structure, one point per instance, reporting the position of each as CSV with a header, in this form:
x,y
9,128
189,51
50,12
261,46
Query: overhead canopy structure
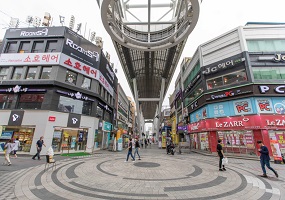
x,y
149,37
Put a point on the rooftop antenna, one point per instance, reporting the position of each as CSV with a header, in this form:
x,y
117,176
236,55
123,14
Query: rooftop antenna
x,y
72,22
29,19
61,19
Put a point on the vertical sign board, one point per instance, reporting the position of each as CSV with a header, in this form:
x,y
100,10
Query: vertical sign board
x,y
16,118
73,120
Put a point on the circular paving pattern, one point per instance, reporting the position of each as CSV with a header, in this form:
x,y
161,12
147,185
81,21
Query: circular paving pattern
x,y
160,177
146,164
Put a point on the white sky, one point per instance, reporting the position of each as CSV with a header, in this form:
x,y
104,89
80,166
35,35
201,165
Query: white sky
x,y
216,18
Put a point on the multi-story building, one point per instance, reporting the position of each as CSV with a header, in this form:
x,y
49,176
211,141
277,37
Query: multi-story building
x,y
174,134
56,84
132,121
234,90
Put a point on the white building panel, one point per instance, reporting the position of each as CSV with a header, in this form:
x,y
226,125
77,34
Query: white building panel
x,y
264,32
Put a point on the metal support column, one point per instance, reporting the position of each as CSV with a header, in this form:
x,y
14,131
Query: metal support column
x,y
160,101
137,106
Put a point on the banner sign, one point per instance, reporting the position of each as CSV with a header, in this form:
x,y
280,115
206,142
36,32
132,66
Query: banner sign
x,y
15,59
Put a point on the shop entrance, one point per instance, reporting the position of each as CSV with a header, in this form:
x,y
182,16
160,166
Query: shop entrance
x,y
69,138
24,134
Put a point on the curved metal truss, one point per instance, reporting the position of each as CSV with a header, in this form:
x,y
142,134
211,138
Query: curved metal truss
x,y
149,37
166,24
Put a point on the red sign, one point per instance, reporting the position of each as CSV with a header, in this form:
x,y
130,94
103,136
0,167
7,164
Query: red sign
x,y
51,118
273,121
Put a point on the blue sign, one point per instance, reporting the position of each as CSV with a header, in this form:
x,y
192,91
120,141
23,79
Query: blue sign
x,y
243,107
199,115
6,135
278,105
221,109
107,126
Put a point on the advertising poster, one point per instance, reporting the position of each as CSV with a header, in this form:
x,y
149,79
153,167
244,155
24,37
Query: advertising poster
x,y
120,144
279,105
6,135
275,150
243,107
2,144
280,137
248,137
220,110
264,105
198,115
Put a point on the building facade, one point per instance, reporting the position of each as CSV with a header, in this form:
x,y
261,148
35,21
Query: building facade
x,y
56,84
233,89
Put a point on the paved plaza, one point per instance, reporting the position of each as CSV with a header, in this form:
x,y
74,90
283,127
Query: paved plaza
x,y
157,175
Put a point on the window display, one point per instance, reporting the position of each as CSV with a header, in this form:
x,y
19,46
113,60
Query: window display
x,y
25,137
237,141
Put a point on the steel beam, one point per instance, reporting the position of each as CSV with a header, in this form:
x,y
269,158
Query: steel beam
x,y
137,105
148,99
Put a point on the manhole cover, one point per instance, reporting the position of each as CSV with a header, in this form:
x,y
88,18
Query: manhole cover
x,y
146,164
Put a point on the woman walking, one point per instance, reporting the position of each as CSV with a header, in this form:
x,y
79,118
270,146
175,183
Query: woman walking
x,y
8,149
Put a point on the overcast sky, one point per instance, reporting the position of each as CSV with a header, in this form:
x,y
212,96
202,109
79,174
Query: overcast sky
x,y
216,18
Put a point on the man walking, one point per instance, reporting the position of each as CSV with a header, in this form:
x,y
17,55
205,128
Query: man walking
x,y
221,155
130,149
137,147
265,159
39,145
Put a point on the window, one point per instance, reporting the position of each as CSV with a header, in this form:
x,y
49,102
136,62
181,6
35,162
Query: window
x,y
70,105
31,73
275,73
30,101
194,94
107,116
227,79
192,74
86,84
51,46
24,47
46,73
3,73
17,73
38,47
99,111
265,45
6,100
71,77
11,47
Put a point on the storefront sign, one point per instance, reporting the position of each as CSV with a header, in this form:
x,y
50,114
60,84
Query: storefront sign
x,y
6,135
182,128
105,106
222,65
279,58
73,120
243,107
107,126
86,70
279,89
37,32
229,93
264,105
16,118
21,59
76,95
19,88
199,115
51,118
191,84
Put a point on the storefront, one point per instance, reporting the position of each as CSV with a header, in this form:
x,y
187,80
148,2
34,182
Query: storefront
x,y
59,129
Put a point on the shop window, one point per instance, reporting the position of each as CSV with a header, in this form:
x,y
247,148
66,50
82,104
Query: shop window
x,y
6,100
30,101
266,45
38,47
194,94
3,73
18,71
51,46
25,136
86,84
99,111
31,73
107,116
24,47
272,73
71,77
227,79
277,142
70,105
237,141
46,72
11,47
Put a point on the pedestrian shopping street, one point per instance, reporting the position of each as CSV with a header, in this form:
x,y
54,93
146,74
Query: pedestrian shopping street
x,y
157,175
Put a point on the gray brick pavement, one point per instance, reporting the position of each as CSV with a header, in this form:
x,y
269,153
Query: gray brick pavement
x,y
156,176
